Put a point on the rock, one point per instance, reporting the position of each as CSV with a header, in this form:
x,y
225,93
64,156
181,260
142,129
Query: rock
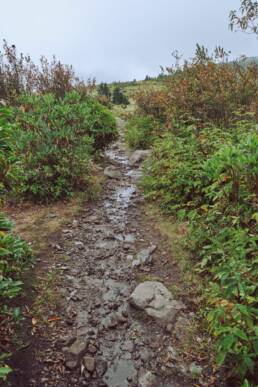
x,y
181,328
148,379
101,367
3,102
71,364
172,353
120,372
129,238
67,340
89,363
155,299
79,244
138,156
144,256
75,223
74,353
128,346
145,354
195,370
92,349
112,172
110,322
169,328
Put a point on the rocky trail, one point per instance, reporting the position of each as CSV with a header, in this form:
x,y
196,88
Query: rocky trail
x,y
120,325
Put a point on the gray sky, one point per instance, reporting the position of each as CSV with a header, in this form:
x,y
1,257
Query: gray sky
x,y
120,39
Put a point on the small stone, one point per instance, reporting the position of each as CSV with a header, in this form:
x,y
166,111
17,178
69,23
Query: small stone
x,y
172,353
138,156
92,349
181,328
148,379
128,346
144,256
101,367
71,364
89,363
74,353
145,354
112,173
169,328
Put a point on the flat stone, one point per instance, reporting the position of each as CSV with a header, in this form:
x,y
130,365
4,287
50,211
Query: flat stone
x,y
144,256
74,353
89,363
181,328
138,156
112,172
101,367
120,373
92,349
148,379
156,300
71,364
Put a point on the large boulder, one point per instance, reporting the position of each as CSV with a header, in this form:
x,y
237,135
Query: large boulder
x,y
138,156
156,300
112,172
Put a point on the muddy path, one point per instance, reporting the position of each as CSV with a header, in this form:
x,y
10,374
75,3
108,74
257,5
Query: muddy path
x,y
104,336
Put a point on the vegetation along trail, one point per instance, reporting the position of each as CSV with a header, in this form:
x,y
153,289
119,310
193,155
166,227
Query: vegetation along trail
x,y
118,324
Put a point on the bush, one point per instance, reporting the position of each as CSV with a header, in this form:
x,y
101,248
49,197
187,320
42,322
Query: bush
x,y
19,75
203,92
209,178
55,142
140,132
15,258
9,164
118,97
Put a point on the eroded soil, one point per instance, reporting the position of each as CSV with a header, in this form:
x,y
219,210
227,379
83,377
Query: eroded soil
x,y
94,337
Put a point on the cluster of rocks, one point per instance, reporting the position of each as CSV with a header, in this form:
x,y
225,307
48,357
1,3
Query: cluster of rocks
x,y
118,332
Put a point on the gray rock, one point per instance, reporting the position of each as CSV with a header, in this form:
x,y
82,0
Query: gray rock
x,y
138,156
112,172
119,373
101,367
92,349
74,353
71,364
172,353
181,329
89,363
148,379
144,256
145,354
155,299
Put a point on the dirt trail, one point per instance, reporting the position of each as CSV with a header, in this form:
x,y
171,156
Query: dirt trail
x,y
101,339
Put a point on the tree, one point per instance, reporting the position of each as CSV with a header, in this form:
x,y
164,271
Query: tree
x,y
119,98
103,90
246,18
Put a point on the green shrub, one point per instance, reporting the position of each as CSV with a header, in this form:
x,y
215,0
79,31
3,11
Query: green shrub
x,y
15,258
209,178
55,142
140,132
10,171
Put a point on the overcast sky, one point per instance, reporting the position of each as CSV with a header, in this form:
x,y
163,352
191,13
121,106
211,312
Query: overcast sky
x,y
120,39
